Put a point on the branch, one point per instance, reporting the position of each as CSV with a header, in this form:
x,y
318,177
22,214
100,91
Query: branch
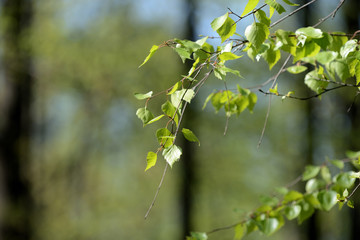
x,y
157,191
292,13
332,14
269,106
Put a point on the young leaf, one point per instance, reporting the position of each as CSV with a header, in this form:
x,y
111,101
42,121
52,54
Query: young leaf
x,y
338,163
183,94
172,154
325,174
349,46
292,211
307,211
272,3
326,57
174,88
141,96
310,172
292,196
190,136
309,32
268,226
153,49
170,111
228,56
154,119
207,100
250,7
290,3
219,21
313,81
151,160
271,56
197,236
261,16
350,204
144,115
327,199
164,137
296,69
240,231
257,33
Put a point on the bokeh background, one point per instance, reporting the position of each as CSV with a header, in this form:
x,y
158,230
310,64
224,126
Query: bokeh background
x,y
73,153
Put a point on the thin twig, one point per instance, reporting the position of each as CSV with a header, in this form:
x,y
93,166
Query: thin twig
x,y
332,14
157,191
292,13
352,193
269,106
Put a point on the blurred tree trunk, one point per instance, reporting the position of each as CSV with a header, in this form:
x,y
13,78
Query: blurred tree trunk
x,y
188,167
16,122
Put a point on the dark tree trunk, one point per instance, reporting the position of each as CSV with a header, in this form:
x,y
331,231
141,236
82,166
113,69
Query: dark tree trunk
x,y
16,122
188,167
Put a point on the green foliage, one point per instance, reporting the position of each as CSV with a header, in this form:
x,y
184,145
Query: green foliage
x,y
330,58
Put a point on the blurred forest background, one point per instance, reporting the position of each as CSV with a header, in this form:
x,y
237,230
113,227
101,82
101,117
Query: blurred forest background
x,y
72,151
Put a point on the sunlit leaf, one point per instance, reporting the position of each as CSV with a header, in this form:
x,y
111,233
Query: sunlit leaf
x,y
292,196
268,226
310,172
292,211
240,230
296,69
153,49
164,137
144,115
261,16
197,236
151,160
327,199
141,96
257,33
272,3
250,7
309,32
189,135
172,154
183,94
290,3
154,119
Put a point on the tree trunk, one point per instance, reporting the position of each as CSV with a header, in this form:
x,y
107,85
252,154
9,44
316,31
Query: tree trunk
x,y
16,122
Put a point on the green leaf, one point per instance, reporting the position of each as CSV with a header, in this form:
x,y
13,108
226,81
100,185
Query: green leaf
x,y
290,3
309,32
268,226
327,199
207,100
257,33
344,180
340,67
144,115
325,174
337,41
240,230
252,101
190,136
183,94
296,69
174,88
153,49
338,163
271,56
313,81
325,41
224,26
170,110
172,154
164,137
312,185
228,56
352,154
272,3
350,204
348,47
182,52
151,160
292,212
141,96
312,200
261,16
326,57
292,196
154,119
219,21
197,236
274,90
310,172
250,7
307,211
355,175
